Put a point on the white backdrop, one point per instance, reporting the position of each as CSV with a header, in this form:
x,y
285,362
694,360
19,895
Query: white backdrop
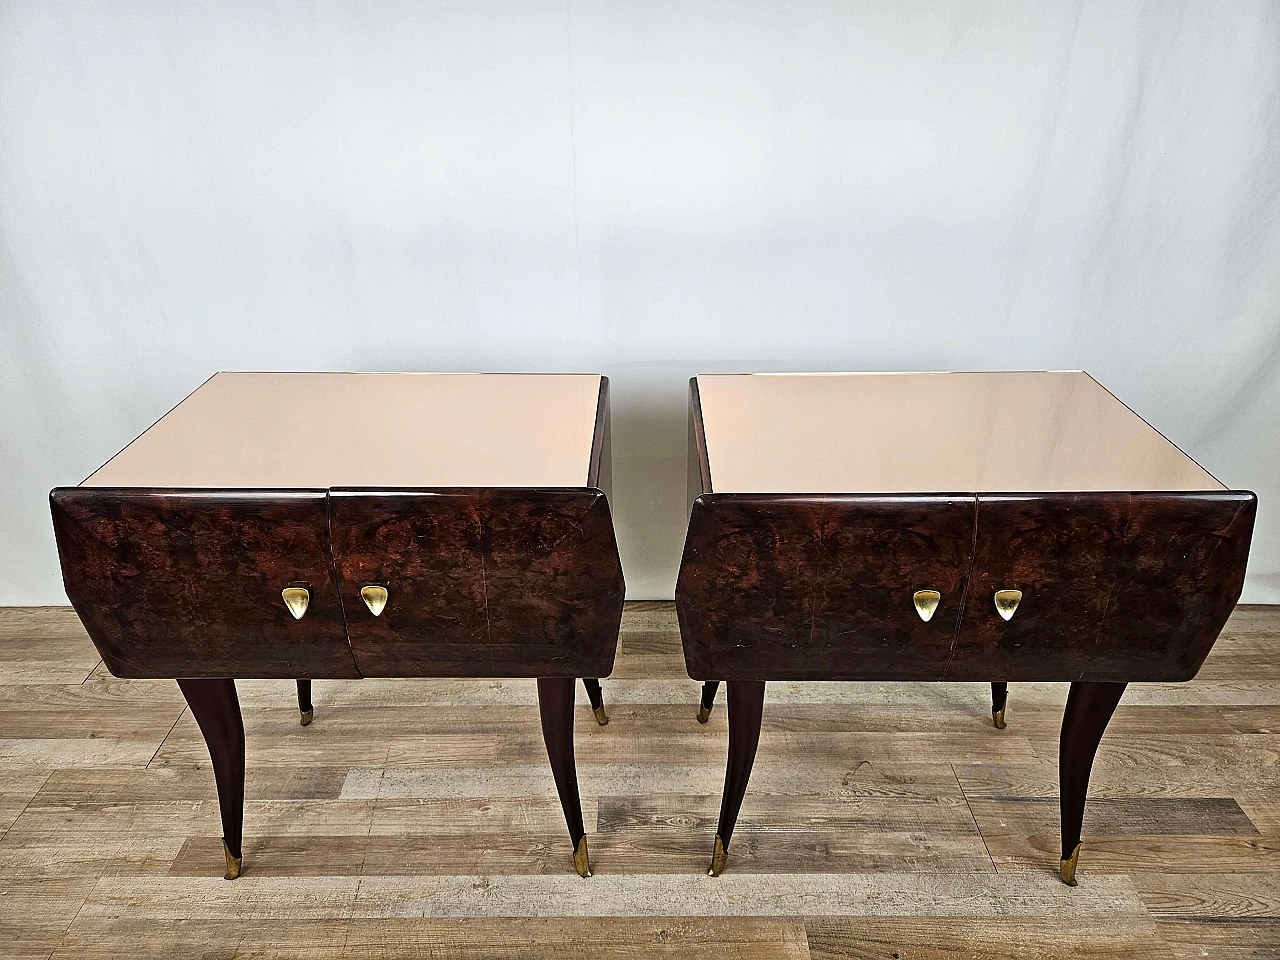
x,y
643,189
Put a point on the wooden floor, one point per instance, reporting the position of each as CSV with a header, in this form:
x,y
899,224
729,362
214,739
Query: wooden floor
x,y
418,818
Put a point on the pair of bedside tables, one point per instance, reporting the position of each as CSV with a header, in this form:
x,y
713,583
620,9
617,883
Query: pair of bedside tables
x,y
939,526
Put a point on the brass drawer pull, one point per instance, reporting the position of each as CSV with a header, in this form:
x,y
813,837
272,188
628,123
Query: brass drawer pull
x,y
296,599
926,602
1007,602
375,598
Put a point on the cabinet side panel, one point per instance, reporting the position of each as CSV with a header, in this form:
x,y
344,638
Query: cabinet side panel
x,y
600,470
1186,558
1115,586
480,583
187,583
792,587
699,468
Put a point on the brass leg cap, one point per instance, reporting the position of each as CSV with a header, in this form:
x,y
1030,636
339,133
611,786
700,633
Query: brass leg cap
x,y
580,860
307,716
704,714
601,717
998,717
233,863
718,858
1067,869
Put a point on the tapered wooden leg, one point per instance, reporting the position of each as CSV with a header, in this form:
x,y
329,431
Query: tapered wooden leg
x,y
596,696
746,706
1089,709
708,700
216,708
999,697
555,704
305,708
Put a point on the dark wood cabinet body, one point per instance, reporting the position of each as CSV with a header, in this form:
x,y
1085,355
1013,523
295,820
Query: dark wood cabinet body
x,y
1115,586
186,583
481,583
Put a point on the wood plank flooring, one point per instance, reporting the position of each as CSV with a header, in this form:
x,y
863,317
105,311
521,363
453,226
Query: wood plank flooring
x,y
418,818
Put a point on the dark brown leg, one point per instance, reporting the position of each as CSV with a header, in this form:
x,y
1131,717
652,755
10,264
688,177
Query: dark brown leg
x,y
596,696
746,706
999,697
708,700
1089,709
555,704
305,707
216,708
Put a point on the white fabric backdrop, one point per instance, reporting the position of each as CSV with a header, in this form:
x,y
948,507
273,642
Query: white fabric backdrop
x,y
643,189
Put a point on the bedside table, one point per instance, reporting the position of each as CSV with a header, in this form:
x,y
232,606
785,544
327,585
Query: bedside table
x,y
348,525
947,526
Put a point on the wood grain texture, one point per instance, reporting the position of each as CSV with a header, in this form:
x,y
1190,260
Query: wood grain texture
x,y
419,818
481,583
186,583
794,587
713,938
954,938
1115,587
1216,940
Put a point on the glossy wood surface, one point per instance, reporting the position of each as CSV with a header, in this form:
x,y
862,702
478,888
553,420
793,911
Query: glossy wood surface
x,y
1116,587
555,709
492,583
215,706
795,588
1090,707
932,433
187,583
316,430
746,709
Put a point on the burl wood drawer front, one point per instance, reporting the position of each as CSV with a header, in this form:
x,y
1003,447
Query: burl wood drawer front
x,y
479,583
792,587
187,583
1117,587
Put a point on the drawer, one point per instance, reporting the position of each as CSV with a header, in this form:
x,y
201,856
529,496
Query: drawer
x,y
1118,587
479,583
188,583
793,587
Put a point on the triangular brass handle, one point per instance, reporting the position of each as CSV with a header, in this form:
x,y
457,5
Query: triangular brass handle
x,y
296,599
926,602
375,598
1007,602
